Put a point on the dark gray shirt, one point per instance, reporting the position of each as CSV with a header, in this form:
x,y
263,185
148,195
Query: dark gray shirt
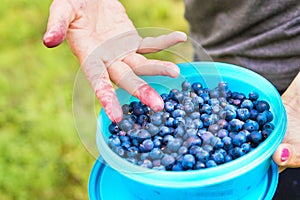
x,y
262,35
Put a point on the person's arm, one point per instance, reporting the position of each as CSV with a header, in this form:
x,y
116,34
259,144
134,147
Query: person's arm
x,y
288,153
109,48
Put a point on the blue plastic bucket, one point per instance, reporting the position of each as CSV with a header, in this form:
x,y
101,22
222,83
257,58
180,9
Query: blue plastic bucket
x,y
249,177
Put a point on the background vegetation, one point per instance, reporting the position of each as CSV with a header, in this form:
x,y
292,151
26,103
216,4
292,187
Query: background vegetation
x,y
41,155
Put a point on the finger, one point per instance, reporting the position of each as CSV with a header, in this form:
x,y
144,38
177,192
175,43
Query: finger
x,y
143,66
59,19
154,44
98,78
286,156
122,75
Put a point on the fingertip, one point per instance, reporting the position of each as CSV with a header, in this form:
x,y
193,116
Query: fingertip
x,y
53,38
173,69
181,36
150,97
282,156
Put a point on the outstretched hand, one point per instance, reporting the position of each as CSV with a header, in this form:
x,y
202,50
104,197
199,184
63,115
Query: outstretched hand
x,y
109,48
288,153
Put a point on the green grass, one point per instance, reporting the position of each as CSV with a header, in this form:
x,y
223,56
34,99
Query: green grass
x,y
41,155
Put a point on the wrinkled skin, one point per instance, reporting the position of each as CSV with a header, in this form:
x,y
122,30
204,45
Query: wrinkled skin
x,y
109,48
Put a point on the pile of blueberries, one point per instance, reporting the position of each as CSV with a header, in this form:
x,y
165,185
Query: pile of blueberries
x,y
198,128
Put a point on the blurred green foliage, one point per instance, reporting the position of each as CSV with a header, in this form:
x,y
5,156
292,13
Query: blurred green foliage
x,y
41,155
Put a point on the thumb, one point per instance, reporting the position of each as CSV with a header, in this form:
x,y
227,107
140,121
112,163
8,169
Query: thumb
x,y
286,156
60,16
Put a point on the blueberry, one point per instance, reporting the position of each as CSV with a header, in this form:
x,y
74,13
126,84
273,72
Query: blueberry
x,y
179,96
198,101
155,154
268,125
228,158
214,93
126,109
194,140
178,121
222,133
217,143
142,119
125,125
230,114
251,125
164,130
177,167
235,125
218,158
269,115
167,139
174,145
213,128
247,104
262,105
208,148
189,107
147,145
253,114
255,137
179,131
261,118
206,137
126,144
266,132
196,86
206,119
138,110
168,161
237,152
120,151
243,114
253,96
132,151
178,113
198,124
156,119
147,164
169,122
194,149
188,161
223,85
113,128
186,85
223,124
152,129
157,141
210,163
114,141
246,147
164,97
169,106
239,139
182,150
227,141
206,108
199,165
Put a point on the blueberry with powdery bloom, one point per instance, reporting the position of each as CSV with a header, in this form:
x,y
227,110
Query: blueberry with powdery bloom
x,y
214,126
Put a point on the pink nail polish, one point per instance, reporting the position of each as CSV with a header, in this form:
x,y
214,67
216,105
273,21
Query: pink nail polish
x,y
285,154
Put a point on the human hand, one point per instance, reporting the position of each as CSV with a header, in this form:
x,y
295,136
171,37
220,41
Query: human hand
x,y
287,154
109,48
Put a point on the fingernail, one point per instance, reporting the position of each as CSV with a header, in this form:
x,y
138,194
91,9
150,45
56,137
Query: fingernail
x,y
285,153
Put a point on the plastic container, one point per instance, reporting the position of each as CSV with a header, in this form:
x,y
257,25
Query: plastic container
x,y
249,177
